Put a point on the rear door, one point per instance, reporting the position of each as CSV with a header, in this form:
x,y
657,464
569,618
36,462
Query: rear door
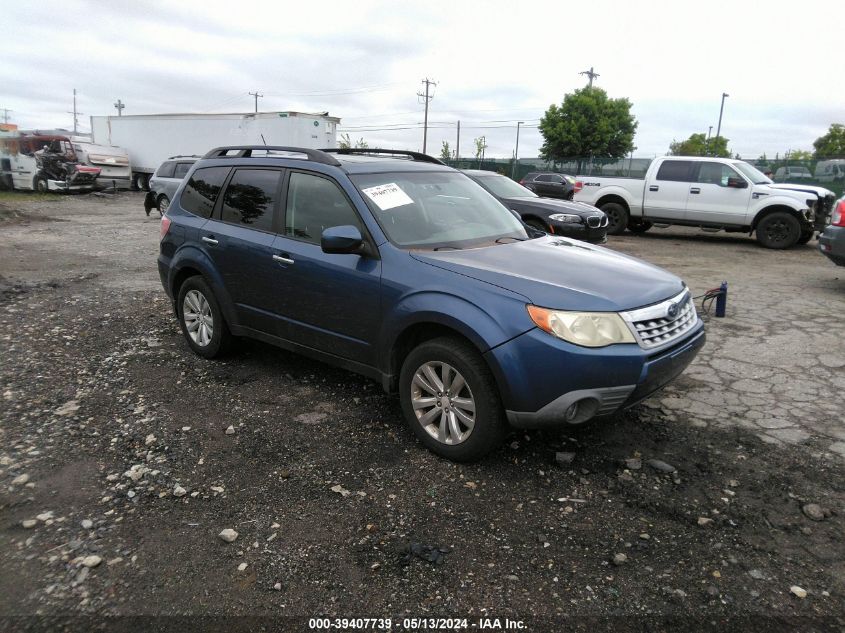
x,y
711,200
666,195
239,238
331,302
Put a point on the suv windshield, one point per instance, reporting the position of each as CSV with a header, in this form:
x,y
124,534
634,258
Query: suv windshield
x,y
754,175
436,210
504,187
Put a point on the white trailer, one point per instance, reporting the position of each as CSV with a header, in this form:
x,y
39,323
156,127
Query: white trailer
x,y
151,139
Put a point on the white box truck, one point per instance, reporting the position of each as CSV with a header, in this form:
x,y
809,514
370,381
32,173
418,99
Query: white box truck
x,y
151,139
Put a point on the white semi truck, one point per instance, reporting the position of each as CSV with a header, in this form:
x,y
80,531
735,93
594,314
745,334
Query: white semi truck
x,y
151,139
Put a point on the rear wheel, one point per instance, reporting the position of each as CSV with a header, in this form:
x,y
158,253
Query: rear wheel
x,y
141,182
778,230
617,217
638,226
201,319
450,400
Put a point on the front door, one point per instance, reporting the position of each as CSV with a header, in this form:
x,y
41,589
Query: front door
x,y
712,201
331,302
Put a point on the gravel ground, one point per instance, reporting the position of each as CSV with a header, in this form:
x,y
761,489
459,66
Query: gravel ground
x,y
123,457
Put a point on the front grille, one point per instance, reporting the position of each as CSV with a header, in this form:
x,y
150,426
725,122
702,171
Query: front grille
x,y
596,221
653,327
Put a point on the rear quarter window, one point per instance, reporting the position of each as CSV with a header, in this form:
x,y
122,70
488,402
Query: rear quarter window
x,y
165,170
200,194
675,170
181,169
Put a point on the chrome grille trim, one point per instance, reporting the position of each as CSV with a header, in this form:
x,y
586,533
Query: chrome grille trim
x,y
652,326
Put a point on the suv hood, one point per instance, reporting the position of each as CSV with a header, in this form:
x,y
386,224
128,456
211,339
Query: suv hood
x,y
550,205
559,273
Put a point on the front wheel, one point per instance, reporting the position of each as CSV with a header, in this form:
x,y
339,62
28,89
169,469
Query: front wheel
x,y
163,204
617,218
201,319
41,185
778,230
449,399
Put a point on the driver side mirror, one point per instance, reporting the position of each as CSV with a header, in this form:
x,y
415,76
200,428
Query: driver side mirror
x,y
343,240
737,183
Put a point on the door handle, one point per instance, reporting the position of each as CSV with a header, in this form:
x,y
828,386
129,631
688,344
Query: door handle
x,y
653,188
695,190
282,259
209,240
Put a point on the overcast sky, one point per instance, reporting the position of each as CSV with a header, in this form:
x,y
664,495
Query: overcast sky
x,y
495,63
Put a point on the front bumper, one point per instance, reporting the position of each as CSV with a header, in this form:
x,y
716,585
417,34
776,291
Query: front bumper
x,y
582,232
832,244
541,377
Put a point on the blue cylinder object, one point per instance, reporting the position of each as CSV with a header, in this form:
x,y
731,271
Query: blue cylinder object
x,y
722,299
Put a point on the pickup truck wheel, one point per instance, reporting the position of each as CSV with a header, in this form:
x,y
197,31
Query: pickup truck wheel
x,y
639,226
617,217
201,319
449,399
806,236
778,230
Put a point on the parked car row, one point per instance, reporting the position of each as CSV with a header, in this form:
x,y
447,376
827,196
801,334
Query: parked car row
x,y
395,266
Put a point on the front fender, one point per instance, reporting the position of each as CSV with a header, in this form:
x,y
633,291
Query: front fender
x,y
765,202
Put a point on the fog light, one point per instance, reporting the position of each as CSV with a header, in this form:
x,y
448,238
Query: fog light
x,y
571,412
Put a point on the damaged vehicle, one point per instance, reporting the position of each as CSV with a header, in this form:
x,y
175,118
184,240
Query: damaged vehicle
x,y
44,162
393,265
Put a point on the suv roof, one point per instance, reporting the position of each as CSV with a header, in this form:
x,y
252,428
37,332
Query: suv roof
x,y
351,160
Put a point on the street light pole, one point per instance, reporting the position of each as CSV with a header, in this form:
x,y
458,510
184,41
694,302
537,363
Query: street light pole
x,y
516,151
707,142
721,109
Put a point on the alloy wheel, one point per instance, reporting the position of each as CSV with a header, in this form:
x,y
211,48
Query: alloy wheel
x,y
199,321
443,402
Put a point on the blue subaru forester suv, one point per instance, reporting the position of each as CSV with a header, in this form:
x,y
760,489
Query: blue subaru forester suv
x,y
395,266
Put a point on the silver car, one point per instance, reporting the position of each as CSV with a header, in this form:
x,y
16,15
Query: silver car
x,y
166,181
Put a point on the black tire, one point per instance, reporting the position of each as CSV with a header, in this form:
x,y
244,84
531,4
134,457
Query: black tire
x,y
221,338
638,226
778,230
41,185
141,182
163,203
617,217
537,224
489,425
806,236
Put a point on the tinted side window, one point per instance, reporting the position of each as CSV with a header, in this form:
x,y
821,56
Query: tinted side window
x,y
544,178
675,170
715,174
166,170
250,198
181,169
200,193
314,205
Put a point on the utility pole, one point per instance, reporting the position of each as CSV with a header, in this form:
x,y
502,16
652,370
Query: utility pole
x,y
591,74
458,144
119,105
6,114
721,109
75,113
516,151
707,142
428,83
256,95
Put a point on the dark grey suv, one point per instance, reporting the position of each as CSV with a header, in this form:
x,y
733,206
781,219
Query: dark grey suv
x,y
166,181
549,184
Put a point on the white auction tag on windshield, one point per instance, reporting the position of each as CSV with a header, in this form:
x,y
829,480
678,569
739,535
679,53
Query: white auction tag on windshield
x,y
388,196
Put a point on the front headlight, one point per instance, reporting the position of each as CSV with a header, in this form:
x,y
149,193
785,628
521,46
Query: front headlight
x,y
590,329
565,217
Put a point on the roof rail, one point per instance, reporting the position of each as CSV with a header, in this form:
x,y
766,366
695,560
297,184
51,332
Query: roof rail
x,y
245,151
418,156
183,156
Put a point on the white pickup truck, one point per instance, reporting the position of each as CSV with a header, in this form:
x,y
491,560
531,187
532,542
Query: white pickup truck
x,y
713,194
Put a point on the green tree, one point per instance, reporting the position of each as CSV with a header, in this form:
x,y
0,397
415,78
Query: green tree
x,y
800,154
346,143
831,144
445,152
480,145
697,145
588,123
